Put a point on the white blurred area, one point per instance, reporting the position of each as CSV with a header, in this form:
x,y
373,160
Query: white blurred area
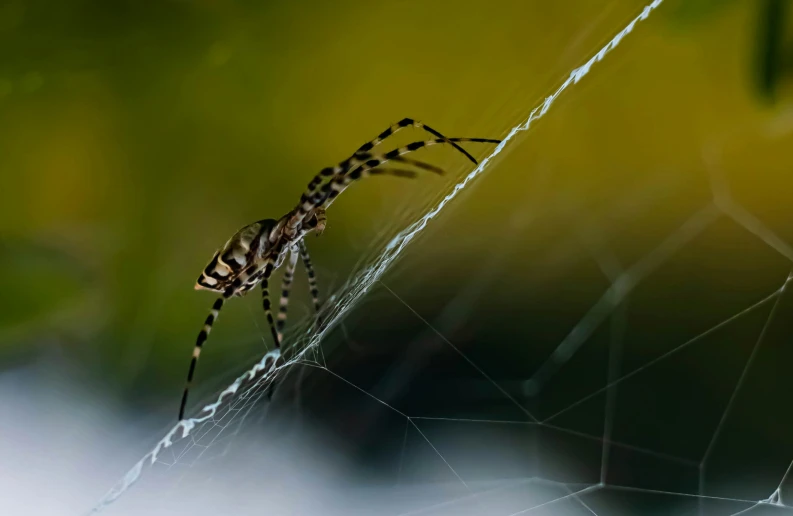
x,y
59,446
62,448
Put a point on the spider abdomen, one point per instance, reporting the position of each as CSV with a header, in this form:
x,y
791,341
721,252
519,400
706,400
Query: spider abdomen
x,y
248,245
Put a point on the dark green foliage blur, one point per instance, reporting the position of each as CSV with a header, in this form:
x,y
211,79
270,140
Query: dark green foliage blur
x,y
135,137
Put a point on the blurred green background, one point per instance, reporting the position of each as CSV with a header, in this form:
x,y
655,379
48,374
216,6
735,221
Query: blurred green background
x,y
136,137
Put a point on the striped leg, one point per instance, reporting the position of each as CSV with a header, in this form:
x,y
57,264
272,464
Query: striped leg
x,y
308,202
267,306
397,154
405,122
312,280
353,161
366,147
339,183
396,172
286,285
202,337
236,288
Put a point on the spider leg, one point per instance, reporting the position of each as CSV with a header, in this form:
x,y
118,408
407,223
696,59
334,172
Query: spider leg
x,y
364,157
278,328
366,147
340,182
356,160
238,287
391,171
396,172
398,153
309,202
268,312
405,122
202,337
286,285
312,280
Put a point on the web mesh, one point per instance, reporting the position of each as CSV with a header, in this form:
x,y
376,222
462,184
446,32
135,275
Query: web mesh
x,y
568,450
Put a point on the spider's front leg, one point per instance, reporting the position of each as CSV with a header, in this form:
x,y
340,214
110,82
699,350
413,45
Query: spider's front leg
x,y
321,220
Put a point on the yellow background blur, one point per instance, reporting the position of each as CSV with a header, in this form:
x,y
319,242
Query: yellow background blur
x,y
136,137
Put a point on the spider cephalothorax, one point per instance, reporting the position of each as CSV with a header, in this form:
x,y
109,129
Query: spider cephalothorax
x,y
255,251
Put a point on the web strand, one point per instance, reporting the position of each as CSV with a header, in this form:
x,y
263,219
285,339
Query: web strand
x,y
369,276
457,350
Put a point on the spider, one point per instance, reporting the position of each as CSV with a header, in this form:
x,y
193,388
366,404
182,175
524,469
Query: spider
x,y
255,251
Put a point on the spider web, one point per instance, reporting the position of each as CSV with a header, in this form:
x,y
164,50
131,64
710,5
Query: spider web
x,y
564,451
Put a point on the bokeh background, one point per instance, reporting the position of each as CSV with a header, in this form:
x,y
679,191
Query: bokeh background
x,y
136,137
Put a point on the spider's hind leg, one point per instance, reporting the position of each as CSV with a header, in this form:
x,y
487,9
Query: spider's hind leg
x,y
286,288
267,306
202,338
244,282
312,281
